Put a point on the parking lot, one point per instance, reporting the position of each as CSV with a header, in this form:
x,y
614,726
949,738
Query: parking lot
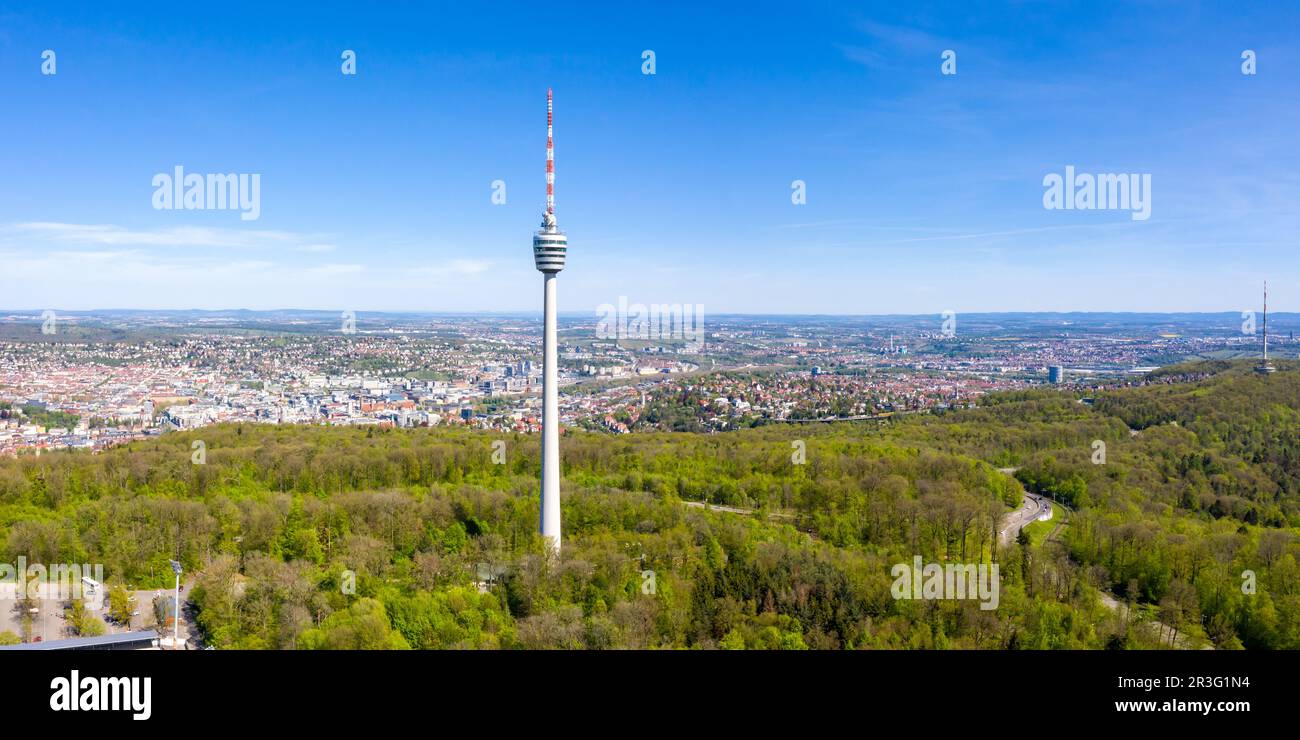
x,y
48,623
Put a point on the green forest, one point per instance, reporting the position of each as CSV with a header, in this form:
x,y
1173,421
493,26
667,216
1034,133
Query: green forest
x,y
1178,525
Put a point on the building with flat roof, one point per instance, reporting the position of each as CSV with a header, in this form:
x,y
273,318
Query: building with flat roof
x,y
145,640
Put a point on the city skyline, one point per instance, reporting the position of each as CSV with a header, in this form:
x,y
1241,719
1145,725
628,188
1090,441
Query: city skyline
x,y
924,191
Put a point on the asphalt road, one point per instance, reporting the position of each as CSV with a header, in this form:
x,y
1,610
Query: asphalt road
x,y
1031,508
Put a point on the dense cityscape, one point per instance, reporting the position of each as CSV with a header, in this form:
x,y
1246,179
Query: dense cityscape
x,y
96,379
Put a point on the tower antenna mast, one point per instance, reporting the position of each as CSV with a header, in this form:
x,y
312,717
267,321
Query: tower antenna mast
x,y
550,161
1264,367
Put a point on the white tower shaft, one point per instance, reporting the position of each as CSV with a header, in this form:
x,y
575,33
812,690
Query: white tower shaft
x,y
550,424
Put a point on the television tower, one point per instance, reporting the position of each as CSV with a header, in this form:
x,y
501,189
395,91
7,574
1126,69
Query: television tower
x,y
549,247
1263,367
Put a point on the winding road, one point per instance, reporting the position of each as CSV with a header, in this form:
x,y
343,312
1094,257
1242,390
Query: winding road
x,y
1032,508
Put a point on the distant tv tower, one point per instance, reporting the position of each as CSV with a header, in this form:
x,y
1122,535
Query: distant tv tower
x,y
1264,367
549,248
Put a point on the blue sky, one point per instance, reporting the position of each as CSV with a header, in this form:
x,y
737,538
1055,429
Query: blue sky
x,y
924,191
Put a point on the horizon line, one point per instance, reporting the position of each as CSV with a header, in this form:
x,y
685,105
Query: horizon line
x,y
529,312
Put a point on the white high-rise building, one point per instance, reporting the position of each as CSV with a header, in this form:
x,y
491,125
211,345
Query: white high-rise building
x,y
549,248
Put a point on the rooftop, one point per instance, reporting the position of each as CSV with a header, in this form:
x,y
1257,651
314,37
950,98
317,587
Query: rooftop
x,y
121,640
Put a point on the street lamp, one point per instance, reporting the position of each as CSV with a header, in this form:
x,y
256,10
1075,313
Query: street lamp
x,y
176,615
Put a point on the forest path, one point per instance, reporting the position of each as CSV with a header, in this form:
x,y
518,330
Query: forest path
x,y
1180,642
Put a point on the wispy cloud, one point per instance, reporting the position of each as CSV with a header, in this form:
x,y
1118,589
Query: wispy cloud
x,y
335,270
210,264
85,276
458,268
180,236
908,38
888,42
1007,232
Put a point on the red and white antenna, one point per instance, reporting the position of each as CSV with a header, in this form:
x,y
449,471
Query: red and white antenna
x,y
1264,367
550,161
